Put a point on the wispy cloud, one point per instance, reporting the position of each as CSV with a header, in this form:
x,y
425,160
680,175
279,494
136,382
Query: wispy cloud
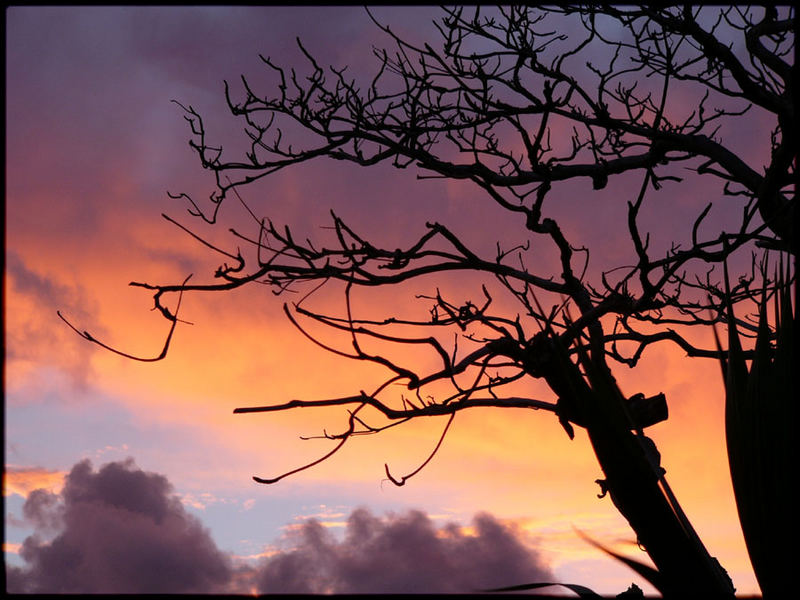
x,y
33,328
23,480
11,547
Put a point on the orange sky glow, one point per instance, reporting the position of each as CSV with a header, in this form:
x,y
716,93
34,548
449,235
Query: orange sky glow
x,y
87,175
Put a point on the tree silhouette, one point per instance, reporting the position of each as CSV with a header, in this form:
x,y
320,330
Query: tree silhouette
x,y
518,101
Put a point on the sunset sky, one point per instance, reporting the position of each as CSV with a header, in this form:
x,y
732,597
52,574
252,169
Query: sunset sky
x,y
93,144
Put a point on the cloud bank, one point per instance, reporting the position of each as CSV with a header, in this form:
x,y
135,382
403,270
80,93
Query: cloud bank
x,y
401,554
122,530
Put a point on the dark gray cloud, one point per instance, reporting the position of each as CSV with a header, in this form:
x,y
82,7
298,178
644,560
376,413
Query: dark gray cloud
x,y
402,554
43,510
121,530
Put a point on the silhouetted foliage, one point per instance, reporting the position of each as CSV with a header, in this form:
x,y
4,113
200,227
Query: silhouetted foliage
x,y
518,101
760,413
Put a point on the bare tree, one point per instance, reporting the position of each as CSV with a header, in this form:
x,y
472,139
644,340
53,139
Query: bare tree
x,y
486,106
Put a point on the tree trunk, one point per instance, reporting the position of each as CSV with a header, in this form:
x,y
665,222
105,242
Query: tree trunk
x,y
634,480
